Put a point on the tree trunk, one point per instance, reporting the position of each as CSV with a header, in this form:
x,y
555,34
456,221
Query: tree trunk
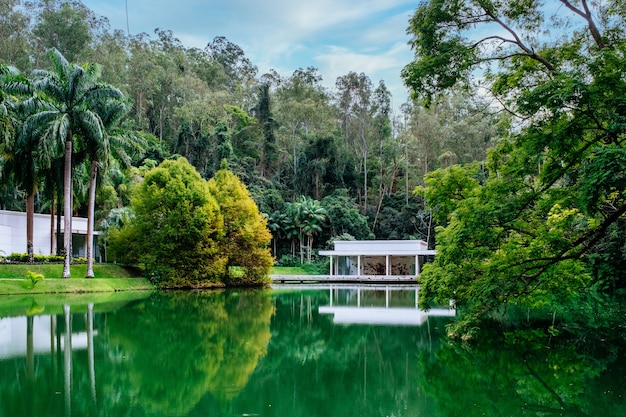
x,y
90,217
67,209
30,215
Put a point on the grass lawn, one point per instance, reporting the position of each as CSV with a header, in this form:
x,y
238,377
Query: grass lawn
x,y
56,270
109,278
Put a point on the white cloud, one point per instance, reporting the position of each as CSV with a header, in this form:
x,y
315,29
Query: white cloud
x,y
336,36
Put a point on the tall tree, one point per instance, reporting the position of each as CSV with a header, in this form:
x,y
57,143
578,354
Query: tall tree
x,y
267,122
64,112
520,228
67,26
15,45
355,102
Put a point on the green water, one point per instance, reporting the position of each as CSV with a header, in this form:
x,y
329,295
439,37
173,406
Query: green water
x,y
295,352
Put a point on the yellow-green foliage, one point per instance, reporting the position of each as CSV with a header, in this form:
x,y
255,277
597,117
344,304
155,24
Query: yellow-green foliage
x,y
33,278
246,236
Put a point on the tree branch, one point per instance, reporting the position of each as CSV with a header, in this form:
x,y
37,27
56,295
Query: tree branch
x,y
529,52
586,14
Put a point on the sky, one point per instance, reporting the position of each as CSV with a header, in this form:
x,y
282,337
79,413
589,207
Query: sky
x,y
334,36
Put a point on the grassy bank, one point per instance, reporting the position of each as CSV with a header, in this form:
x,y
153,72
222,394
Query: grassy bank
x,y
288,270
108,278
56,270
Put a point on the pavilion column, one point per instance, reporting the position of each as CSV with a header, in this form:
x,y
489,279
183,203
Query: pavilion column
x,y
387,293
417,265
331,265
387,265
358,265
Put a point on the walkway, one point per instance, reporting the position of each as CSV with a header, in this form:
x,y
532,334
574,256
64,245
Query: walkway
x,y
386,279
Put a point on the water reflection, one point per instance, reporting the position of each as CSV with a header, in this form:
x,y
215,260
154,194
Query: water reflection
x,y
278,353
389,305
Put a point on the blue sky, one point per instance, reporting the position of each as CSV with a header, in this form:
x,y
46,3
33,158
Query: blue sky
x,y
335,36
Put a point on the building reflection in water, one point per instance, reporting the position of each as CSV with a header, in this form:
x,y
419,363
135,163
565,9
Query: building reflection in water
x,y
379,304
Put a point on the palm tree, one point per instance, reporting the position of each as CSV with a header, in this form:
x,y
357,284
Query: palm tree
x,y
307,215
19,149
64,102
115,143
313,215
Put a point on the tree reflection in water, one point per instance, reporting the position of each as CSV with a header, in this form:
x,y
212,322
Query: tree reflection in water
x,y
272,353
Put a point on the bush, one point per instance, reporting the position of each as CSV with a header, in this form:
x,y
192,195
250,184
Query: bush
x,y
38,258
317,268
288,260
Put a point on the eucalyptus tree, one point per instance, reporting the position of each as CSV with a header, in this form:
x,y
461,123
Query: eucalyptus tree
x,y
15,41
64,112
68,26
519,228
303,110
354,96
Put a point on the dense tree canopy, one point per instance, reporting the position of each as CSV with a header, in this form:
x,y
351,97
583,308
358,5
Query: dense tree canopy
x,y
289,139
523,227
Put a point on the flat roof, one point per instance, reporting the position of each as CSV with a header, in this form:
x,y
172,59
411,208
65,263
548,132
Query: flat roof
x,y
379,248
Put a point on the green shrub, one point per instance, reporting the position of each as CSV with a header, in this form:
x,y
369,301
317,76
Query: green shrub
x,y
38,258
288,260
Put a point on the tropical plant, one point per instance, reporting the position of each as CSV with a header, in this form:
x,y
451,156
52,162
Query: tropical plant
x,y
115,143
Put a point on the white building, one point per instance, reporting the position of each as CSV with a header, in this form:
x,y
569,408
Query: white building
x,y
13,234
379,258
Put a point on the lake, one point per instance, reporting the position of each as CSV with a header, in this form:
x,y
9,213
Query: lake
x,y
297,351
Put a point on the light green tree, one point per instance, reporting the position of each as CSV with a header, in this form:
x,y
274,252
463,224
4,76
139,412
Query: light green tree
x,y
246,236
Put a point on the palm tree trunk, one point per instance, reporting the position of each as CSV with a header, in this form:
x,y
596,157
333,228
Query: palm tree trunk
x,y
90,217
30,215
67,209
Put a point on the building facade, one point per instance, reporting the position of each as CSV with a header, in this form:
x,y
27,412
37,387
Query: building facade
x,y
379,258
13,234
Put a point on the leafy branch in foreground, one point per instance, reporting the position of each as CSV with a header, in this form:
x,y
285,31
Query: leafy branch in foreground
x,y
523,228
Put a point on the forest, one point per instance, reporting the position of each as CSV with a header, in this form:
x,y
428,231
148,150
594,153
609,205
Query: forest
x,y
509,156
318,163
